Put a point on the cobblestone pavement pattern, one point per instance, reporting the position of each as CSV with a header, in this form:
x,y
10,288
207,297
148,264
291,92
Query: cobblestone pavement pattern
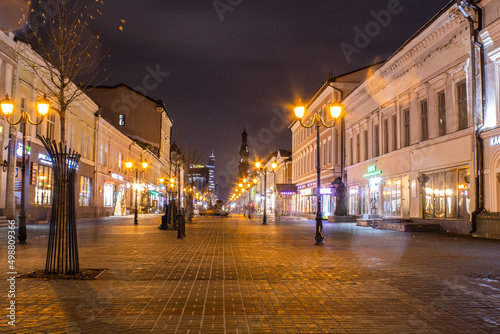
x,y
235,275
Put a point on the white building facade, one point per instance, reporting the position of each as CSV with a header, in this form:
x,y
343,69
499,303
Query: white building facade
x,y
410,130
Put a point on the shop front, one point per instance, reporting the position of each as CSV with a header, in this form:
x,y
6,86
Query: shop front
x,y
447,193
118,188
41,178
328,202
380,196
488,221
40,183
286,192
306,200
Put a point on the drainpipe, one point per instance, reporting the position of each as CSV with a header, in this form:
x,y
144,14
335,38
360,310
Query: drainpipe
x,y
97,116
478,141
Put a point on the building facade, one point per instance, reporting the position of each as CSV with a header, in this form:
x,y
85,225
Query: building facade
x,y
104,186
304,148
409,130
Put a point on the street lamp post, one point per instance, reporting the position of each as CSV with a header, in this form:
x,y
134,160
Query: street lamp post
x,y
335,110
136,169
249,186
7,106
258,165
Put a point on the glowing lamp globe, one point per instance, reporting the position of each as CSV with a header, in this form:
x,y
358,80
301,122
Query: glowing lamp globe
x,y
7,105
43,106
335,109
299,111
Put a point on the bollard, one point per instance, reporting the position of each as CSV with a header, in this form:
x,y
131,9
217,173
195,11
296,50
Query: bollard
x,y
181,225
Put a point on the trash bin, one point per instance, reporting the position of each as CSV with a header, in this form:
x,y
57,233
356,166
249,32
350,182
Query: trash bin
x,y
164,222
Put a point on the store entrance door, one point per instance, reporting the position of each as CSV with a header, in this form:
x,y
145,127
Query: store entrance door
x,y
374,196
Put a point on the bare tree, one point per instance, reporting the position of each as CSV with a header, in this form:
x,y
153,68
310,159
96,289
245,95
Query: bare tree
x,y
69,53
66,54
190,157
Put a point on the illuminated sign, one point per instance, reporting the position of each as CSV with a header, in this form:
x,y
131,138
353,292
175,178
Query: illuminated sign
x,y
495,141
305,192
287,193
44,159
372,171
117,176
325,191
19,150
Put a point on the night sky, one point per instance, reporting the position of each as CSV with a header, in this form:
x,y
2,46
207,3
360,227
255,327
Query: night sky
x,y
230,68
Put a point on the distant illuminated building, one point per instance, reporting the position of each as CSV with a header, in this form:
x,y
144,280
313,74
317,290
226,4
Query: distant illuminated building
x,y
203,176
211,173
198,176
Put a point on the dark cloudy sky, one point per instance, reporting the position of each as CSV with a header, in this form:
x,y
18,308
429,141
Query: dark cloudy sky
x,y
230,73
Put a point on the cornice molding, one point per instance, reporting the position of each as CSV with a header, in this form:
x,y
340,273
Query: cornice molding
x,y
395,68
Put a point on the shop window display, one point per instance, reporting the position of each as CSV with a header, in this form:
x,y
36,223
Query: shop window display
x,y
446,194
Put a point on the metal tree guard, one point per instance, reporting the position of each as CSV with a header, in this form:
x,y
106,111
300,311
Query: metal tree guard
x,y
62,251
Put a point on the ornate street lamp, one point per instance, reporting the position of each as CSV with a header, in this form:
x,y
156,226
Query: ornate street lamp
x,y
335,111
259,166
137,170
7,106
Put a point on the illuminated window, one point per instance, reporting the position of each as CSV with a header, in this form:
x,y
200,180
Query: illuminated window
x,y
121,120
446,194
108,194
85,191
391,198
43,188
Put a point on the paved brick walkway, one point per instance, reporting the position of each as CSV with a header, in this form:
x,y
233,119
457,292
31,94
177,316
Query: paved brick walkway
x,y
234,275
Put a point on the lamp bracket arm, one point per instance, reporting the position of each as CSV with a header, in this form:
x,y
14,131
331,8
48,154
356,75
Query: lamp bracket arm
x,y
35,123
307,126
326,125
13,123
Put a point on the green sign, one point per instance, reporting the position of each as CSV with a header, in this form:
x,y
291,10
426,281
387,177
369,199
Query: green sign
x,y
372,171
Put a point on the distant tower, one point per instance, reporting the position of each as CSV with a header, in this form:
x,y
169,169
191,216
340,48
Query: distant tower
x,y
243,164
211,173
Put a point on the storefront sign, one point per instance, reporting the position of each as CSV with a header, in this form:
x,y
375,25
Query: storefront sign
x,y
305,192
372,170
117,176
495,141
287,193
44,159
325,191
19,150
